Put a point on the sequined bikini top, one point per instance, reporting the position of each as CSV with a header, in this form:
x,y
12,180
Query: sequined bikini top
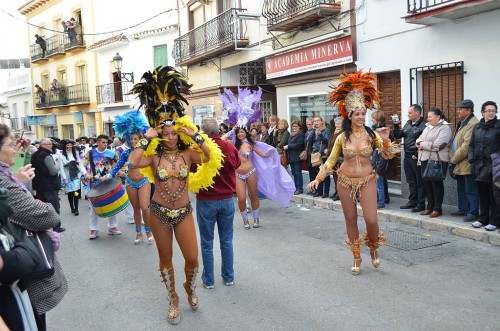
x,y
363,152
246,155
163,174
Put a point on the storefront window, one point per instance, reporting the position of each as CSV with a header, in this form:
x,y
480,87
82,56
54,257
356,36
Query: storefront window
x,y
202,112
309,106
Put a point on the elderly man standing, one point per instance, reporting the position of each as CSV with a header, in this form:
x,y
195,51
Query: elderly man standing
x,y
468,199
47,181
216,206
411,131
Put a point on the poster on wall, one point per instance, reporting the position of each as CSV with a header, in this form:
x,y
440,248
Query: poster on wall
x,y
202,112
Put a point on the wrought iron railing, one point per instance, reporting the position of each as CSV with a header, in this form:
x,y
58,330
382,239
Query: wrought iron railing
x,y
64,96
114,92
57,44
279,10
438,86
220,30
417,6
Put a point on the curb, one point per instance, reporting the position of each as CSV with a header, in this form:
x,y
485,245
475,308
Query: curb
x,y
415,220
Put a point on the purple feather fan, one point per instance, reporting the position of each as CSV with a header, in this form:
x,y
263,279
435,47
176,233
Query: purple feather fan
x,y
241,111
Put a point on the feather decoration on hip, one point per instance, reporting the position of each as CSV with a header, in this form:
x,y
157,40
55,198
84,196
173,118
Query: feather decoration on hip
x,y
161,93
355,91
241,111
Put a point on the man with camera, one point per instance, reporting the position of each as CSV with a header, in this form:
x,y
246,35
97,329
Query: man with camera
x,y
410,132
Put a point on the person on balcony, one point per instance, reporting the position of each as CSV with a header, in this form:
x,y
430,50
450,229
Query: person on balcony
x,y
78,30
43,45
41,94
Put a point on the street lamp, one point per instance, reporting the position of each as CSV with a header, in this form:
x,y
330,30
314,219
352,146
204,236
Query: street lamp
x,y
117,63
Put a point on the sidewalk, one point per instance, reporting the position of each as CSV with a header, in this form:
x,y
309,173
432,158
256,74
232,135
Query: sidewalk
x,y
392,213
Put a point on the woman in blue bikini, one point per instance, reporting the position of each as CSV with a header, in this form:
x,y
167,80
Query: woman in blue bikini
x,y
137,185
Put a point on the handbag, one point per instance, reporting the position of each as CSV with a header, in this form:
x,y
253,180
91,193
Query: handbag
x,y
433,171
303,154
316,159
41,248
284,159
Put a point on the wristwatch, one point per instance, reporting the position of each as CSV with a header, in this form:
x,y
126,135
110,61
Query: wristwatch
x,y
143,143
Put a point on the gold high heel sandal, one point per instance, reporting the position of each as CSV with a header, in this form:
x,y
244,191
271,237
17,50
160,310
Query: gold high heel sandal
x,y
173,313
190,287
374,245
354,246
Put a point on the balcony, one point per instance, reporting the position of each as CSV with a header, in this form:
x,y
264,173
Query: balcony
x,y
56,45
285,15
221,35
70,95
114,93
430,12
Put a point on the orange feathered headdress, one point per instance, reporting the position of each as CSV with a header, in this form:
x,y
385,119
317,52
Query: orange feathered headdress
x,y
355,91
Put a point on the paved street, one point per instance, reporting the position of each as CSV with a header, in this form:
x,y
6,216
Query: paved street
x,y
291,274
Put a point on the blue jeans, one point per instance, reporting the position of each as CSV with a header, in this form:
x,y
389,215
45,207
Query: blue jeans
x,y
468,198
297,175
209,213
380,191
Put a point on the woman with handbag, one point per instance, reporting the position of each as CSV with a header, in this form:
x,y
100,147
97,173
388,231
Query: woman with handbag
x,y
357,179
281,139
33,215
294,147
484,142
433,157
319,141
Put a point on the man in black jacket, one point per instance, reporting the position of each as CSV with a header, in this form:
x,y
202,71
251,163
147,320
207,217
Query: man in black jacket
x,y
47,181
410,132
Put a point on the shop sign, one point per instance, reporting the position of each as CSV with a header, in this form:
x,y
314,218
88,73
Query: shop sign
x,y
47,120
327,54
32,120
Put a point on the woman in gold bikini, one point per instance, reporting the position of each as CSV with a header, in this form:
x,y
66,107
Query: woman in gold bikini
x,y
356,177
169,150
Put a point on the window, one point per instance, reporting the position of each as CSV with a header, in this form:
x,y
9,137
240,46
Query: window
x,y
267,110
439,86
24,124
309,106
160,56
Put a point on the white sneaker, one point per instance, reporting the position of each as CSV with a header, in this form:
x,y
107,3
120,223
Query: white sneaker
x,y
490,227
477,224
228,283
93,234
114,231
130,221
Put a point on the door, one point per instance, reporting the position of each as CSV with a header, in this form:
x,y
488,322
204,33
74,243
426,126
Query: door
x,y
389,84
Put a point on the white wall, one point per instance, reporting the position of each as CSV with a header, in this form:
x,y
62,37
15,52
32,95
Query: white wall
x,y
387,43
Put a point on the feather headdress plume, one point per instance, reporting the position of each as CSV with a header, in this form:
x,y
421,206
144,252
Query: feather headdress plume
x,y
241,111
355,91
161,94
130,122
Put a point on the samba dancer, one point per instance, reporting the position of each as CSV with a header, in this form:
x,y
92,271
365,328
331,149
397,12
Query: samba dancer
x,y
170,157
100,160
130,126
260,163
356,177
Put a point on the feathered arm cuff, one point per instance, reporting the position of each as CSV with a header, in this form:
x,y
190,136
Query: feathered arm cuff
x,y
387,149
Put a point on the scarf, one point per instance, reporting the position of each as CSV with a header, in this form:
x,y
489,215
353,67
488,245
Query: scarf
x,y
5,170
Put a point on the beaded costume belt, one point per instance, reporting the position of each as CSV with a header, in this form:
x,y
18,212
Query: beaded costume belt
x,y
169,217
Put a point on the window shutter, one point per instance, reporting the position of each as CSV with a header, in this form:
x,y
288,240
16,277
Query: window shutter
x,y
160,56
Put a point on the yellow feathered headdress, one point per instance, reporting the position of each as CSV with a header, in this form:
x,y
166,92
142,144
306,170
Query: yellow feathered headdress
x,y
355,91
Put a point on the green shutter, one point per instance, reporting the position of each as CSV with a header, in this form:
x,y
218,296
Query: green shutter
x,y
161,56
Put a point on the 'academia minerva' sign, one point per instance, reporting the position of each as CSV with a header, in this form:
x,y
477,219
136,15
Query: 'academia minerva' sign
x,y
327,54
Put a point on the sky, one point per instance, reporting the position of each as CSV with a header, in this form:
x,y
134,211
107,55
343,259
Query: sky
x,y
14,42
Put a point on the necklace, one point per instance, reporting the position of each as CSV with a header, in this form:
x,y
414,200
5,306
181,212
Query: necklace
x,y
172,158
357,132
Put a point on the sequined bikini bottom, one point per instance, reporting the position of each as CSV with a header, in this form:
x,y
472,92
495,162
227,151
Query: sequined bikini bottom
x,y
169,217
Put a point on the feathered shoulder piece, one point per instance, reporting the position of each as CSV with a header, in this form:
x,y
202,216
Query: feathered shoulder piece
x,y
355,91
130,122
161,93
241,111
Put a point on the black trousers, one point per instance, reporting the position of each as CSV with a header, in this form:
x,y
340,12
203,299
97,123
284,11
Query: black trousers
x,y
324,186
51,197
488,207
434,189
413,175
73,200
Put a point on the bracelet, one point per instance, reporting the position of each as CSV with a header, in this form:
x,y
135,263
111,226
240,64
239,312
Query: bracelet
x,y
198,139
143,143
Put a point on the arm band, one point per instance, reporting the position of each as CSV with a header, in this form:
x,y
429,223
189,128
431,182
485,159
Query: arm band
x,y
198,139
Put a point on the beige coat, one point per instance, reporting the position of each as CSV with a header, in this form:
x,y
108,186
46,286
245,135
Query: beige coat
x,y
462,140
432,138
